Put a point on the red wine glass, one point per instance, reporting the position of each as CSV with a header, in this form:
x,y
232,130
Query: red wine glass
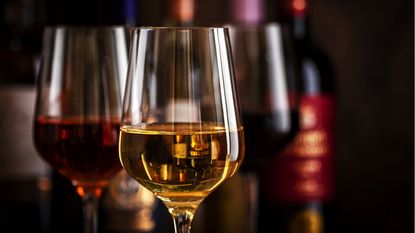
x,y
78,107
268,82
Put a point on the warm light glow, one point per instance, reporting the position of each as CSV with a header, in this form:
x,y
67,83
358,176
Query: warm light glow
x,y
308,168
83,190
144,220
308,187
164,172
182,176
44,184
80,191
183,9
299,5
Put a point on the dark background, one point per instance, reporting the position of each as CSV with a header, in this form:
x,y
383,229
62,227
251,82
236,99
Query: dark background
x,y
371,46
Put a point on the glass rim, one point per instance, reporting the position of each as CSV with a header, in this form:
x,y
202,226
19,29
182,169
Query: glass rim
x,y
84,27
134,28
175,28
258,27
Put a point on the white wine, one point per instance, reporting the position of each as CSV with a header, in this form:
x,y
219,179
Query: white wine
x,y
181,162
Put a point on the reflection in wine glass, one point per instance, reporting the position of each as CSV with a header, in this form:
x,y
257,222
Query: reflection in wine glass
x,y
128,206
78,107
267,80
181,131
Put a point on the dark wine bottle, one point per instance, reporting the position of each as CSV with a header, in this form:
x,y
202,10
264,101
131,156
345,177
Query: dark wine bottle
x,y
302,175
239,203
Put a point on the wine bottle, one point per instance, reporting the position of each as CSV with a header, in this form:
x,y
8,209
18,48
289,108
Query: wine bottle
x,y
302,175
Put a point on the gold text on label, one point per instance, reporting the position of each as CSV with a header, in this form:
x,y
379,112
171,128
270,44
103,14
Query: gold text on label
x,y
310,144
307,168
309,187
199,145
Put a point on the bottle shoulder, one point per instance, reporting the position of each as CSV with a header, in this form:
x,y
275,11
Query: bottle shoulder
x,y
310,52
316,69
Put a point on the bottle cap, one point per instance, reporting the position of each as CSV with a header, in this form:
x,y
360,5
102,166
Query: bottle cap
x,y
182,10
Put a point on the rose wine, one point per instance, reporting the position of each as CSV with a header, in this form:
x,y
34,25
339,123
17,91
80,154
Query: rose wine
x,y
83,150
181,161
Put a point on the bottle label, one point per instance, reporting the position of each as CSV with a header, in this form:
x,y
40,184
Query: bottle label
x,y
179,147
199,146
180,150
304,170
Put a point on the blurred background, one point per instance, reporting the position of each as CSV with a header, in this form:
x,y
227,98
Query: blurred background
x,y
370,45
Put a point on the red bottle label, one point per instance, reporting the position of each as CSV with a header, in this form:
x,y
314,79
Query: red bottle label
x,y
304,170
298,7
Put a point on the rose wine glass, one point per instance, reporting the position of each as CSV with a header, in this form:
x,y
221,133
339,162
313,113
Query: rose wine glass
x,y
78,107
181,131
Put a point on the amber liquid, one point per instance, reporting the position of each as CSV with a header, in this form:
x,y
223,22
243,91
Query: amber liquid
x,y
181,162
85,151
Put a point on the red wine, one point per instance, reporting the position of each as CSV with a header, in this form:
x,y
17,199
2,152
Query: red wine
x,y
266,134
85,151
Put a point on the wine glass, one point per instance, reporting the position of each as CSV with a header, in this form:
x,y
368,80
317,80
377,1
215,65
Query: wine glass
x,y
181,132
78,107
268,82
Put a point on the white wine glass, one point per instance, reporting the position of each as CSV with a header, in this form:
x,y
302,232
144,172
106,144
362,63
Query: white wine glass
x,y
181,131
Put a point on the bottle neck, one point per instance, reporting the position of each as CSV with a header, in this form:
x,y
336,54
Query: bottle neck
x,y
181,13
247,12
295,14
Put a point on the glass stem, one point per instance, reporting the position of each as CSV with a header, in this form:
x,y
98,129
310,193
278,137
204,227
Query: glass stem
x,y
182,222
89,202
